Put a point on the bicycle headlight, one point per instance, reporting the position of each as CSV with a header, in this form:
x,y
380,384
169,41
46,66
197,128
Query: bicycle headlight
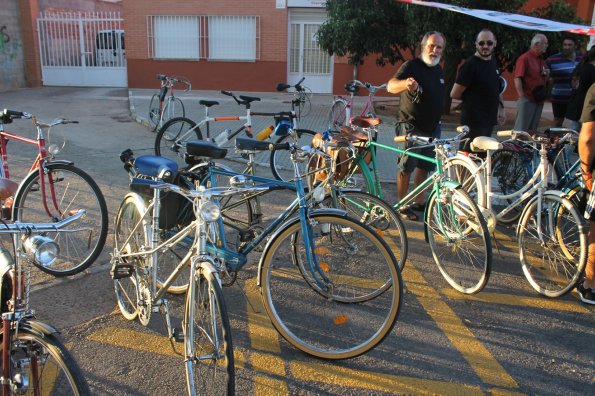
x,y
42,249
210,211
53,149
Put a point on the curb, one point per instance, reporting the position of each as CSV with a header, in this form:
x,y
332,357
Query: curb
x,y
141,120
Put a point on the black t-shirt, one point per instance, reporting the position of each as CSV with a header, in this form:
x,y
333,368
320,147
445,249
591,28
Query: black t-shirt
x,y
424,115
481,98
577,98
588,113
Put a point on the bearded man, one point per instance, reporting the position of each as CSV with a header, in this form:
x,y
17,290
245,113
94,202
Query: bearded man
x,y
420,83
478,86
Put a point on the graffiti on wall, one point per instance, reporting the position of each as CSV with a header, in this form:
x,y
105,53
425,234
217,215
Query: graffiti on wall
x,y
8,47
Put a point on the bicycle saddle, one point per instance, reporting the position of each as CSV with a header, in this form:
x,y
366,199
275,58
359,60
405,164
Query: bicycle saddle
x,y
352,88
352,135
208,103
483,143
155,166
365,122
197,149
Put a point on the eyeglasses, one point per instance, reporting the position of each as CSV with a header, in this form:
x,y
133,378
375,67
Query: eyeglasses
x,y
482,43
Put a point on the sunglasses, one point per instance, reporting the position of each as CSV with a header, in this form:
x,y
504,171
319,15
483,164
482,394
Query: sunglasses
x,y
482,43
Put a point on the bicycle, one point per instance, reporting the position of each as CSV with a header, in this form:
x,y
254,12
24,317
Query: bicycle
x,y
341,110
307,250
51,191
206,333
551,233
34,360
165,105
453,223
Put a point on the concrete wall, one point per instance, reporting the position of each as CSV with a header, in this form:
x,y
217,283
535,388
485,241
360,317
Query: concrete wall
x,y
12,70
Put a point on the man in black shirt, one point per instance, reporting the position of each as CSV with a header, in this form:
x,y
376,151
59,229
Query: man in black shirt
x,y
420,83
477,85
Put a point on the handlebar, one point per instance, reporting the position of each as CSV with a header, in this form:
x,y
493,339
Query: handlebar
x,y
28,228
563,135
298,86
7,116
208,193
462,130
170,81
370,87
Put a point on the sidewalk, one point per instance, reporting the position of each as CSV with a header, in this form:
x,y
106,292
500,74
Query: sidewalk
x,y
316,119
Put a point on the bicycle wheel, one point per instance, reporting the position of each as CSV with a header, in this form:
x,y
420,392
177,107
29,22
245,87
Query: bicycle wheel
x,y
154,113
174,108
463,170
338,318
73,190
378,215
459,240
337,115
131,233
171,139
280,161
46,364
509,175
209,357
554,254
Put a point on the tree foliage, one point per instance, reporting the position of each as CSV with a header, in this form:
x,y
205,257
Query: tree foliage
x,y
389,32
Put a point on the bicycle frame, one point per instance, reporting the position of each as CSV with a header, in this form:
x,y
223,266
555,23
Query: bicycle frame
x,y
368,105
38,164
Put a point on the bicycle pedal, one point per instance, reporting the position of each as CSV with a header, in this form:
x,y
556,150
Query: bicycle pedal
x,y
178,334
121,271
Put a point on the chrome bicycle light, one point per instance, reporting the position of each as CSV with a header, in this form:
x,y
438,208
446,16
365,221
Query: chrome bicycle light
x,y
210,211
54,149
42,249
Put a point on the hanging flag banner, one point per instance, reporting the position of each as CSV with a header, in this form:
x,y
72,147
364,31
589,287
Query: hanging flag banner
x,y
514,20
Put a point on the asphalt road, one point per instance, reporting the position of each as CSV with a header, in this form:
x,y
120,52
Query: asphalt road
x,y
504,340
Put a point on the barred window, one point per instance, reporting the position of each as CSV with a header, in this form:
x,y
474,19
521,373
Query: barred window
x,y
204,37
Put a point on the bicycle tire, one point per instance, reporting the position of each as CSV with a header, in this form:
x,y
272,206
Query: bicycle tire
x,y
74,190
333,325
509,175
167,143
130,236
465,171
454,224
174,108
337,115
377,214
281,165
202,334
59,373
154,113
552,267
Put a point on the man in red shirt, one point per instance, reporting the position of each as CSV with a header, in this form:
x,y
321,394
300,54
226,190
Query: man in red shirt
x,y
530,77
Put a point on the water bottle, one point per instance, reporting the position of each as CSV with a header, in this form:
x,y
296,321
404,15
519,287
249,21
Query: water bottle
x,y
265,133
222,137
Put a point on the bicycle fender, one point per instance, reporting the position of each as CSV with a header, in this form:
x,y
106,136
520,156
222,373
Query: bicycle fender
x,y
287,224
61,162
555,193
38,328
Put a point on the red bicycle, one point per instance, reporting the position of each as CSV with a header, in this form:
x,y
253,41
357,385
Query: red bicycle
x,y
53,190
165,105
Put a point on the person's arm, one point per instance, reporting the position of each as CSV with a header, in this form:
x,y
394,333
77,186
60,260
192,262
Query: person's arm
x,y
396,86
586,151
457,91
518,85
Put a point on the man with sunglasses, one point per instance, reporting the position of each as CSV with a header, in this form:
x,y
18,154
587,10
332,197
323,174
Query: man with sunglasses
x,y
420,83
477,85
530,77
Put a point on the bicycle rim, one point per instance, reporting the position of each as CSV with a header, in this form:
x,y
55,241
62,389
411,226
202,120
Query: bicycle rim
x,y
280,160
379,216
459,240
337,115
343,321
47,364
553,255
154,113
210,366
171,139
73,190
129,238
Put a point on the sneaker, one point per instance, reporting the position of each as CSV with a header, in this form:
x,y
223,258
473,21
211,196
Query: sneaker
x,y
587,295
407,214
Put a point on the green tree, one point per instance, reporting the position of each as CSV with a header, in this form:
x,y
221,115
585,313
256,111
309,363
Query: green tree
x,y
390,31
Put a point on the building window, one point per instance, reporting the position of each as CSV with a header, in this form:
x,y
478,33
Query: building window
x,y
234,38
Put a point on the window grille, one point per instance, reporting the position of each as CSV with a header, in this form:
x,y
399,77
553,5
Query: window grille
x,y
203,37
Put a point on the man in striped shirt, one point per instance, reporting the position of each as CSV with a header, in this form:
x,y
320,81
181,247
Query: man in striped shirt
x,y
561,66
